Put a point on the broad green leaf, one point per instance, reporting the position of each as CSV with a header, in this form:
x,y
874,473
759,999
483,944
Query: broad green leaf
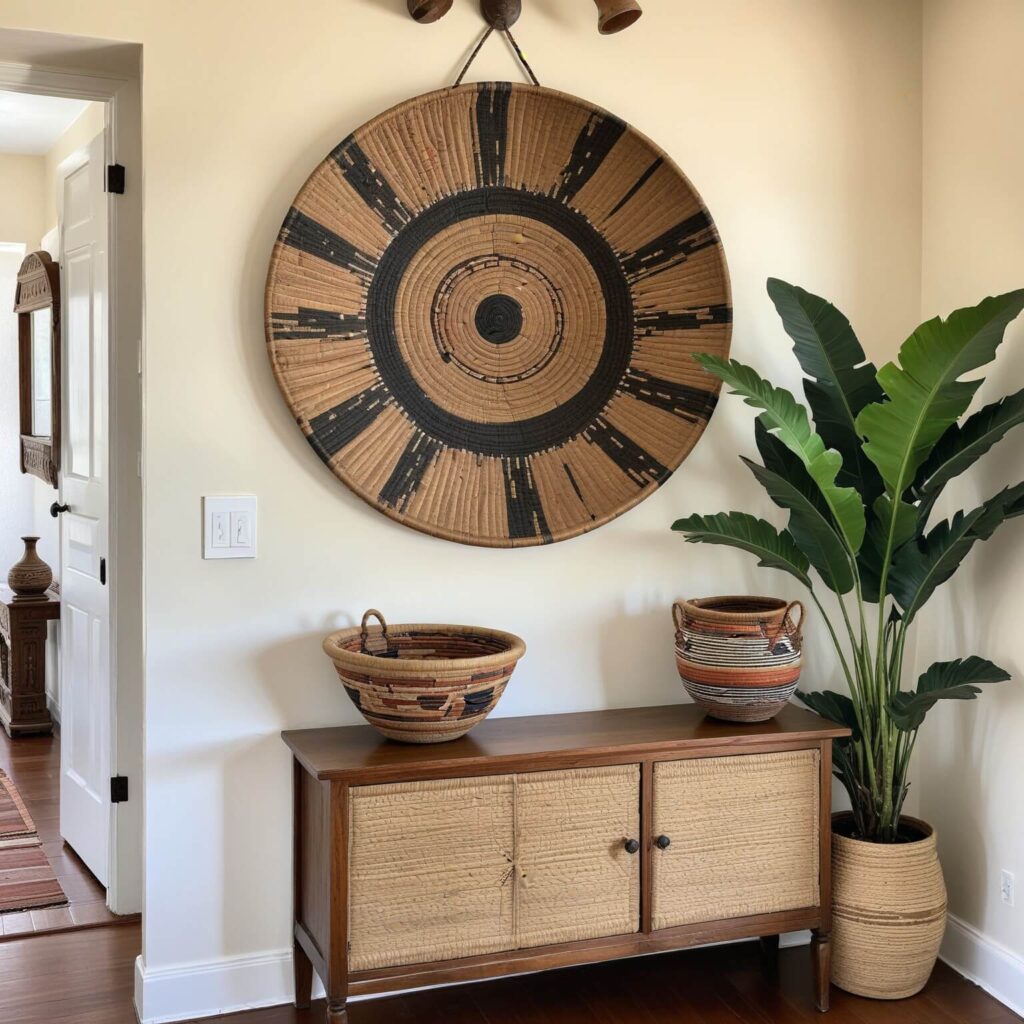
x,y
960,446
774,549
872,553
922,566
835,706
925,395
812,530
945,680
784,415
843,381
779,459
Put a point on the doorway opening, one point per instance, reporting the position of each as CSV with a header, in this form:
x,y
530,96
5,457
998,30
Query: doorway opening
x,y
70,657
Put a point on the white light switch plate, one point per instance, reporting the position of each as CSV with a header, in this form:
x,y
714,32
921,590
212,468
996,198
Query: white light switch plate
x,y
229,526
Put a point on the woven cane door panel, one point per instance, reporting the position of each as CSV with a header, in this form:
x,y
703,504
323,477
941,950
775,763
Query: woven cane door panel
x,y
574,878
482,310
430,871
744,836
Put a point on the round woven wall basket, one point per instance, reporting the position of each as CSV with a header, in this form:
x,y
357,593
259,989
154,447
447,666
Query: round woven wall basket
x,y
483,307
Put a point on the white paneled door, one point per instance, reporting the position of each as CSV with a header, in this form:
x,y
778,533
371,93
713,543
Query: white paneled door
x,y
85,611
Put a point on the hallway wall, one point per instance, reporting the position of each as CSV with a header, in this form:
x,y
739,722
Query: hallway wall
x,y
971,759
811,167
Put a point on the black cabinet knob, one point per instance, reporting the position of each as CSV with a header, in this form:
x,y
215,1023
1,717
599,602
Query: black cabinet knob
x,y
55,509
663,842
631,845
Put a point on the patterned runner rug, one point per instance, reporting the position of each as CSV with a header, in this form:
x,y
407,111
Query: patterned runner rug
x,y
26,879
15,820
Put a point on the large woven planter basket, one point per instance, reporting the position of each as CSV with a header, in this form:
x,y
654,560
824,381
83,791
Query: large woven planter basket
x,y
739,657
424,683
889,911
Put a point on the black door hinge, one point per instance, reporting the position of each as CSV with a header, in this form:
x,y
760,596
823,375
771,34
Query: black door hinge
x,y
115,179
103,571
118,789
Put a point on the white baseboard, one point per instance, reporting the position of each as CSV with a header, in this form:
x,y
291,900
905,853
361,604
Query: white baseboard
x,y
206,989
984,961
789,939
214,987
210,988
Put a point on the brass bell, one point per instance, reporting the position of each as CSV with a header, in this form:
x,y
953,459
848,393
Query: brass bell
x,y
615,15
426,11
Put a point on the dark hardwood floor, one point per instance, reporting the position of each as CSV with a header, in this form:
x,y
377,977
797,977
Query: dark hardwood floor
x,y
33,763
87,977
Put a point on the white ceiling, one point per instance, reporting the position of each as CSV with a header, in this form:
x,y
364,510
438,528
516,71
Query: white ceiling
x,y
32,124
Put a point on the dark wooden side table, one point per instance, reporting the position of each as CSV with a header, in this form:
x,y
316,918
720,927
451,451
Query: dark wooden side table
x,y
23,661
544,842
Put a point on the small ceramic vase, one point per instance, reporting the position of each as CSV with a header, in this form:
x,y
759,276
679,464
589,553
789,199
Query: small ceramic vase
x,y
30,577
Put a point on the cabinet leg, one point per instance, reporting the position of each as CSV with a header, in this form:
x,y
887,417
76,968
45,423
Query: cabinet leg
x,y
770,951
821,957
336,1013
303,968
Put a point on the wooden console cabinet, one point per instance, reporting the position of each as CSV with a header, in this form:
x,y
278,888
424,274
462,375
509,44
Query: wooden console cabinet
x,y
549,841
23,661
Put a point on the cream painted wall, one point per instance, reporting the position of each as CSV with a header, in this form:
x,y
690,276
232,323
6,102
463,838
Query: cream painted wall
x,y
971,758
22,207
809,163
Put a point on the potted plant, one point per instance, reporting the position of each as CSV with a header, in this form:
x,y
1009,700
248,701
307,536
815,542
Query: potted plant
x,y
860,485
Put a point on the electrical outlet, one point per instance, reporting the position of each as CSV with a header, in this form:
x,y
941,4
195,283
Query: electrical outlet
x,y
1006,887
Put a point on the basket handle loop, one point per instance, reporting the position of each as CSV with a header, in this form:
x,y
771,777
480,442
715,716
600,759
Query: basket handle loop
x,y
364,633
678,614
788,626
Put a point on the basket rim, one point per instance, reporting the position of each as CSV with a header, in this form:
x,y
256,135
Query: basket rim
x,y
929,836
515,649
705,608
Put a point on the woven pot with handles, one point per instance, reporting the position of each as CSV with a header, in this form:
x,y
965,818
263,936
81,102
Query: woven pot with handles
x,y
888,911
423,683
739,657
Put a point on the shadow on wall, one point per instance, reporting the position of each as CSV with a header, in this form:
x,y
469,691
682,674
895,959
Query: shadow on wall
x,y
630,644
257,781
299,683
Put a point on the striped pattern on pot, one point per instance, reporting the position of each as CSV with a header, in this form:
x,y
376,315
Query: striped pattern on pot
x,y
739,657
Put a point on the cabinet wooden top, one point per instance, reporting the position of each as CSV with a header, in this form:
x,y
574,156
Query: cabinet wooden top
x,y
360,754
47,606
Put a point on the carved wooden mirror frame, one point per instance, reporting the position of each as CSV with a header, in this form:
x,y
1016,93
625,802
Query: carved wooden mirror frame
x,y
38,288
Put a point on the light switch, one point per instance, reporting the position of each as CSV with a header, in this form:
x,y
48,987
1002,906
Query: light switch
x,y
229,526
221,529
241,532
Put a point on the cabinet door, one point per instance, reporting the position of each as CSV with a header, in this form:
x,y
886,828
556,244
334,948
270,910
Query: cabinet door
x,y
744,836
430,871
574,878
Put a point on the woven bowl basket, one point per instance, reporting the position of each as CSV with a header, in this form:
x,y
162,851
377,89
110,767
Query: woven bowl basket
x,y
739,657
423,683
888,913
